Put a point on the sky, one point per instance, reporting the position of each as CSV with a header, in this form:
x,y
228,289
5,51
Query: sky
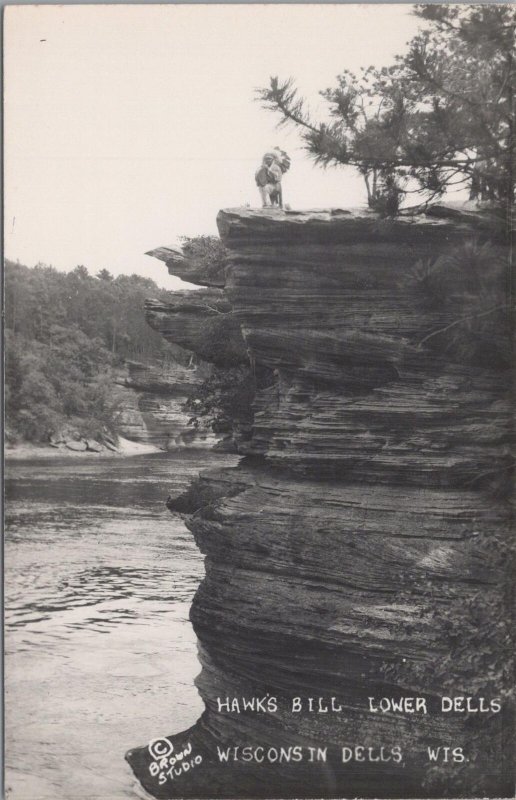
x,y
127,127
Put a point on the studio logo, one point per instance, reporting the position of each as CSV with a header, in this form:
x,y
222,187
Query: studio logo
x,y
167,765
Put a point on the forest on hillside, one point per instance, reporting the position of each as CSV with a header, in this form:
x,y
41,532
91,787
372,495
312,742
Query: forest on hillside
x,y
67,337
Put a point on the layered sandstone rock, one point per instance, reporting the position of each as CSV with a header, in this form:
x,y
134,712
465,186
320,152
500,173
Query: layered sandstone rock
x,y
201,321
191,268
152,405
349,536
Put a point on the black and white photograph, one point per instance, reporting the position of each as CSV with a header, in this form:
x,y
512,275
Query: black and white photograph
x,y
259,401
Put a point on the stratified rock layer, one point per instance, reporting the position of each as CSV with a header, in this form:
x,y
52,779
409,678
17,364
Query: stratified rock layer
x,y
361,495
152,405
201,321
189,268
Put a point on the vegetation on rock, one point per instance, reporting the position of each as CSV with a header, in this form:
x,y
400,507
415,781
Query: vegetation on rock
x,y
223,401
207,252
471,281
441,116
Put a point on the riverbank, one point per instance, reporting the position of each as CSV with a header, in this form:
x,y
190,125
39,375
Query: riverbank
x,y
124,448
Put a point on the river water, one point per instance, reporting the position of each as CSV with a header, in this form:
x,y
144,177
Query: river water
x,y
100,656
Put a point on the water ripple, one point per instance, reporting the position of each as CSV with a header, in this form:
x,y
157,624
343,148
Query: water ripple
x,y
99,652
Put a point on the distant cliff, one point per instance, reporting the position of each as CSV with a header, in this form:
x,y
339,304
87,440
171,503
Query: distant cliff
x,y
359,548
152,405
67,337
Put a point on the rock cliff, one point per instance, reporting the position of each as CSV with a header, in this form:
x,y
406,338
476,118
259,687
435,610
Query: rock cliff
x,y
152,402
346,554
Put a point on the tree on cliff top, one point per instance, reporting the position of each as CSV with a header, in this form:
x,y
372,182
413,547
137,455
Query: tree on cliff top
x,y
442,115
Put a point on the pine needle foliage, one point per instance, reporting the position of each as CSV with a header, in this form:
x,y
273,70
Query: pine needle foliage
x,y
441,116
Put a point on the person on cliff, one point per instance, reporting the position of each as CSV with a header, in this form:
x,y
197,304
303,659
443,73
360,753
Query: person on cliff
x,y
268,177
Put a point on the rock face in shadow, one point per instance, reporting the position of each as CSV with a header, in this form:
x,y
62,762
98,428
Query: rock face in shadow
x,y
345,550
201,321
153,405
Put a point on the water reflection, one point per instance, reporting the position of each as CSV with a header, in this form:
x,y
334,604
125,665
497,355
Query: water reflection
x,y
99,652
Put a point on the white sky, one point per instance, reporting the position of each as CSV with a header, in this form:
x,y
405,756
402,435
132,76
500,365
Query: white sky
x,y
128,126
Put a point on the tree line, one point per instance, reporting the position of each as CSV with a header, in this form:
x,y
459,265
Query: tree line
x,y
67,337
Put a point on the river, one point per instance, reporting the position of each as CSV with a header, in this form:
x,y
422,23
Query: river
x,y
100,655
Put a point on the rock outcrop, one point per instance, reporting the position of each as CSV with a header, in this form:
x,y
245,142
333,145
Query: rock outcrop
x,y
152,405
191,268
346,554
201,321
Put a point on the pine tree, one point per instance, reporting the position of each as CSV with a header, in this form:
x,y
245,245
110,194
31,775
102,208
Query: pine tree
x,y
441,116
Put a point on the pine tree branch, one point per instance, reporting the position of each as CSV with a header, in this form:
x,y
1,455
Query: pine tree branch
x,y
459,321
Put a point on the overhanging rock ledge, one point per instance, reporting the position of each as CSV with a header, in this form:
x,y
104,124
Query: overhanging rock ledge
x,y
350,531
